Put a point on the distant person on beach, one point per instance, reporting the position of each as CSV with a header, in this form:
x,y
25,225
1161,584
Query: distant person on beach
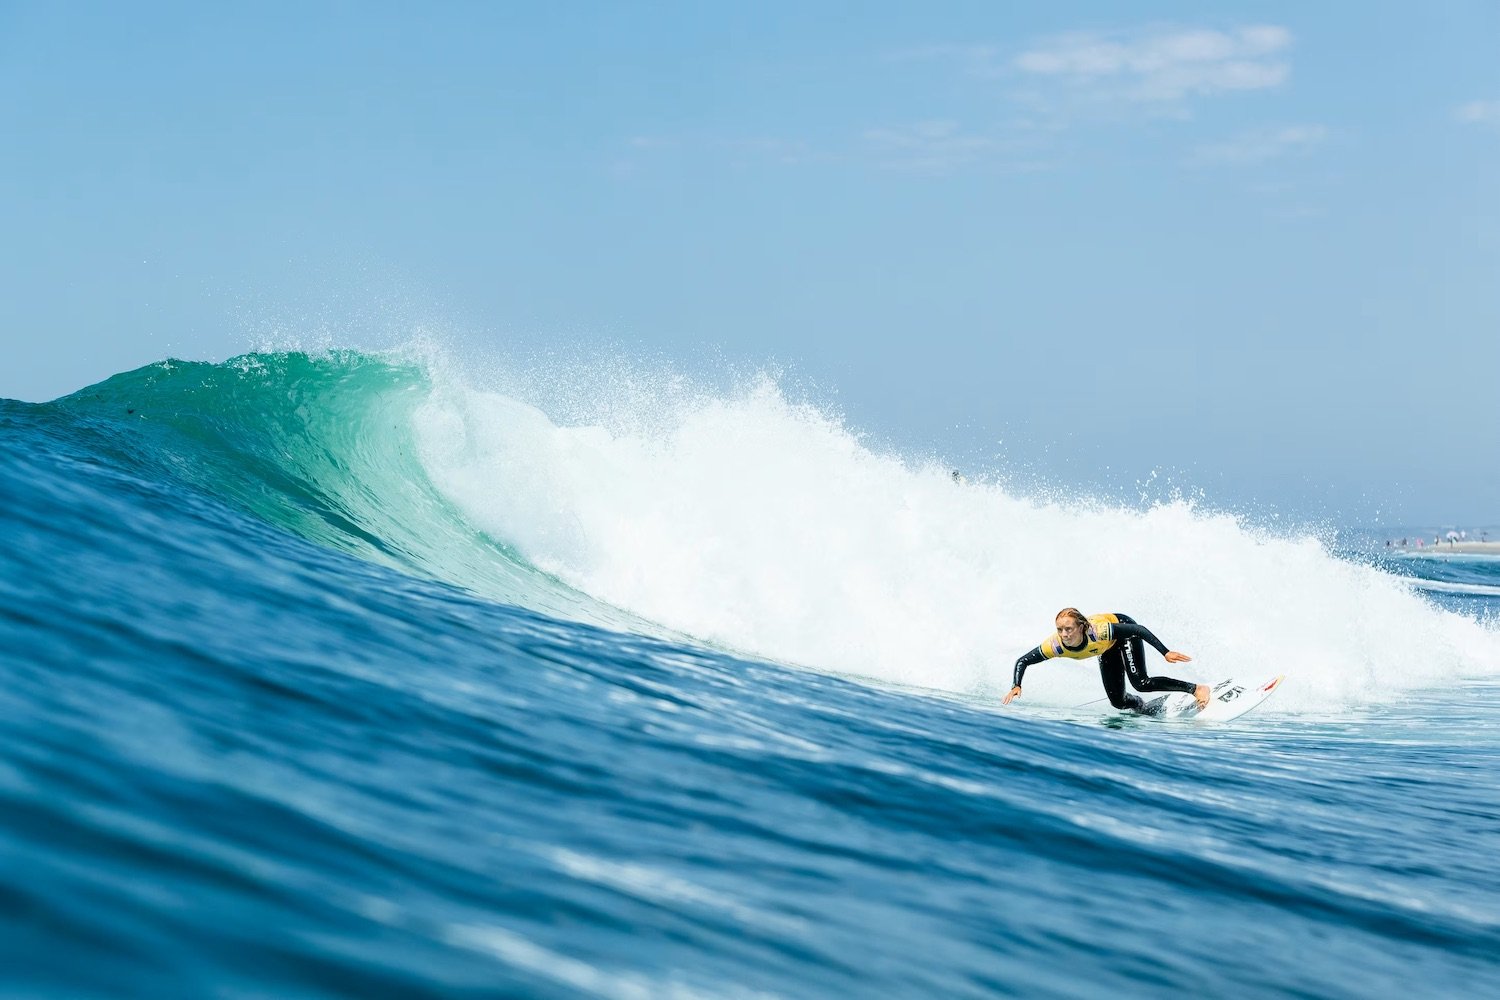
x,y
1116,640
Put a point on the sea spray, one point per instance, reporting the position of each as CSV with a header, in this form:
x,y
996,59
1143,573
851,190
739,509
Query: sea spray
x,y
769,527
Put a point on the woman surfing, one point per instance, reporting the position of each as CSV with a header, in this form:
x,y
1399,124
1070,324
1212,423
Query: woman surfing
x,y
1117,640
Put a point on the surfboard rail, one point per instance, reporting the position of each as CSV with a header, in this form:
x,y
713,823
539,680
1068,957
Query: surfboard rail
x,y
1229,699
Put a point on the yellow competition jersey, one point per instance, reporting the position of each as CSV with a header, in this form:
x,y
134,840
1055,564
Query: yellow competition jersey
x,y
1100,634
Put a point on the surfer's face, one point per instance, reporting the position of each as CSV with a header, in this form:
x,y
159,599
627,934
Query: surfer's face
x,y
1070,629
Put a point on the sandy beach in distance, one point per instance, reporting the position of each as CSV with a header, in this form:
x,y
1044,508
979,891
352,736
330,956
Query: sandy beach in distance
x,y
1451,548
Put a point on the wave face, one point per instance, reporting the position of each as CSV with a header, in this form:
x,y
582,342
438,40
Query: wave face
x,y
344,675
319,446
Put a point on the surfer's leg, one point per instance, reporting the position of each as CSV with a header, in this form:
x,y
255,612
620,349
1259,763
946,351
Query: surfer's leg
x,y
1112,673
1133,654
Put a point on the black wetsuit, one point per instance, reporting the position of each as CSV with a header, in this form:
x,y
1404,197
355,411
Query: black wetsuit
x,y
1126,658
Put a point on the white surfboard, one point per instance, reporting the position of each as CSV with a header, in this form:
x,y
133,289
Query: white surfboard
x,y
1230,700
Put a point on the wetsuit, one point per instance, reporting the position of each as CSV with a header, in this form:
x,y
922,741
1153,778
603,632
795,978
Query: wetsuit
x,y
1116,640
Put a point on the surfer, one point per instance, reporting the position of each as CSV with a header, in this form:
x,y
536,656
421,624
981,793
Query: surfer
x,y
1116,640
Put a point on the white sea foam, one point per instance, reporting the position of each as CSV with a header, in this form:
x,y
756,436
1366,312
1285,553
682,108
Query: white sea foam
x,y
767,527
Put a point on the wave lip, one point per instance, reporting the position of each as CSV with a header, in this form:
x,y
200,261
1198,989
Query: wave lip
x,y
319,445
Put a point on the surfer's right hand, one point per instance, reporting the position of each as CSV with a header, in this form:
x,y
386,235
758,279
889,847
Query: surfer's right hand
x,y
1015,692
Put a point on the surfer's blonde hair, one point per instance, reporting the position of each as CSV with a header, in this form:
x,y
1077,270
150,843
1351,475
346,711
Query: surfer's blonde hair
x,y
1074,614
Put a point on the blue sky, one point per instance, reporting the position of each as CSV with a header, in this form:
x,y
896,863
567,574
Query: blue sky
x,y
1254,248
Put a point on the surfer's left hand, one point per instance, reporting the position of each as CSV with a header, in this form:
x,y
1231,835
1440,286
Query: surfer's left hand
x,y
1176,657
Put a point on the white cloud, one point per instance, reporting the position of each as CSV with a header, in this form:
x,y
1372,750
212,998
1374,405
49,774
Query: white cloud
x,y
1163,65
1259,145
1050,84
1479,113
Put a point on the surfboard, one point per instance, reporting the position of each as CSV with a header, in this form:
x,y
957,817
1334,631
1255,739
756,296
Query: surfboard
x,y
1230,700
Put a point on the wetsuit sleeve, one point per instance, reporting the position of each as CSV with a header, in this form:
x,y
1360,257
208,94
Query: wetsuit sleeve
x,y
1124,631
1031,658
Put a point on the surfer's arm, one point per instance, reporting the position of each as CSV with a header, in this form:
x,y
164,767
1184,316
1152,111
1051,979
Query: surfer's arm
x,y
1029,659
1124,631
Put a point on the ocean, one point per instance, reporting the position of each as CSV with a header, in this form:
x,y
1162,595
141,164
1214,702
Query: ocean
x,y
362,675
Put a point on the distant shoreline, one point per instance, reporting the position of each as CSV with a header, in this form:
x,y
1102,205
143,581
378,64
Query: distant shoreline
x,y
1451,548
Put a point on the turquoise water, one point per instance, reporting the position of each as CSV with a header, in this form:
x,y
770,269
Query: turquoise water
x,y
337,676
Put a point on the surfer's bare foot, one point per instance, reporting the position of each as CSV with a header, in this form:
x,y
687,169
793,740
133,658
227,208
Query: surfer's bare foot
x,y
1201,692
